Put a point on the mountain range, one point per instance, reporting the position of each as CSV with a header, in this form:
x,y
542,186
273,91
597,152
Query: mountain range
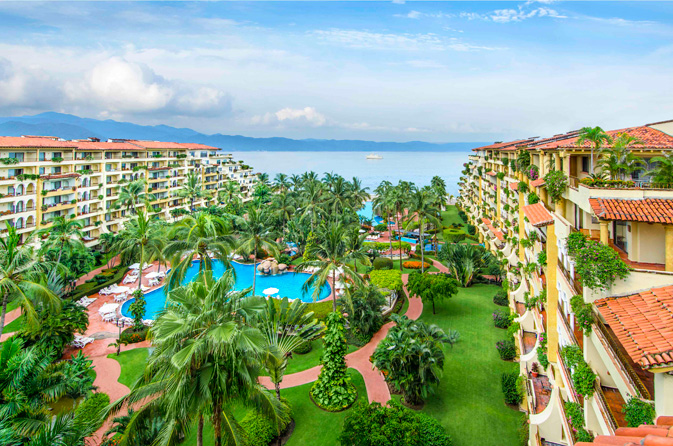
x,y
73,127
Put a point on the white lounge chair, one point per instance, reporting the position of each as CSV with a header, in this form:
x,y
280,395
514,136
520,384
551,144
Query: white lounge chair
x,y
120,297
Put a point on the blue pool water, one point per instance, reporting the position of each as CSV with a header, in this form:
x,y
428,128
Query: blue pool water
x,y
409,240
288,284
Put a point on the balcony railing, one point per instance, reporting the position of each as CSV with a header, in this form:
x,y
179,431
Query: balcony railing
x,y
605,407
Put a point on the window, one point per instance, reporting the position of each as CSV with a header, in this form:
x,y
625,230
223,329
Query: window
x,y
55,170
56,155
18,156
41,157
585,164
14,172
41,169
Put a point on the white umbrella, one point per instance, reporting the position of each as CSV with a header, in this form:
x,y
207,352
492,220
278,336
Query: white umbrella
x,y
152,275
135,266
362,231
270,291
108,308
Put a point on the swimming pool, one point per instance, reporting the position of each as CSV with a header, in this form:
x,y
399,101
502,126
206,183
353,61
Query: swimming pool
x,y
288,284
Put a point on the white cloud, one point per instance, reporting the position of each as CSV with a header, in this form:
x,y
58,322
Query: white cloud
x,y
513,15
26,89
406,42
417,15
119,86
291,116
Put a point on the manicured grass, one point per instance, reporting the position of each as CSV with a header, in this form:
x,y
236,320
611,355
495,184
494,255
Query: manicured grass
x,y
312,425
450,216
132,363
469,397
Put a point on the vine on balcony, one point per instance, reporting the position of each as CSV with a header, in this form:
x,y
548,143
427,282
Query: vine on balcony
x,y
583,314
575,414
556,183
583,376
597,264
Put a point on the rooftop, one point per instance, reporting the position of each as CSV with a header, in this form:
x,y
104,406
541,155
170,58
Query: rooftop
x,y
538,215
643,324
651,210
661,434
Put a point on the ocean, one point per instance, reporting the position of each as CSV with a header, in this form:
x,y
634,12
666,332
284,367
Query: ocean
x,y
417,167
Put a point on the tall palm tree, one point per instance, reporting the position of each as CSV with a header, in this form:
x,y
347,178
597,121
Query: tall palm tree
x,y
278,325
312,200
355,243
284,206
256,235
596,136
383,205
399,197
207,356
193,189
281,183
197,236
64,233
22,279
339,197
107,241
359,194
141,240
229,192
332,254
421,213
438,184
132,194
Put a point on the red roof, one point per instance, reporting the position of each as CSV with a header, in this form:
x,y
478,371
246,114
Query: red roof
x,y
485,221
537,183
510,145
651,138
514,186
643,324
196,146
661,434
98,145
653,210
34,141
491,173
538,215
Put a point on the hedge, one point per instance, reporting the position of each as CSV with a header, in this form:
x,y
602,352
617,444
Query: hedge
x,y
131,336
259,430
500,298
389,279
511,388
506,349
89,288
382,263
453,235
413,264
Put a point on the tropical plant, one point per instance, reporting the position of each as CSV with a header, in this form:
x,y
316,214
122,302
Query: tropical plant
x,y
583,313
421,213
197,235
256,235
595,136
431,287
193,189
638,412
362,309
511,388
23,280
207,356
464,261
331,254
662,173
411,357
55,329
285,326
132,194
333,390
556,183
618,161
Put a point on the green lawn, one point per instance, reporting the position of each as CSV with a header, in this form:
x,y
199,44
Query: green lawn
x,y
312,425
15,325
450,216
469,397
132,363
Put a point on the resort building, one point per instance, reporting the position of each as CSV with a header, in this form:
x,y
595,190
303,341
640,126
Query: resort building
x,y
45,177
622,329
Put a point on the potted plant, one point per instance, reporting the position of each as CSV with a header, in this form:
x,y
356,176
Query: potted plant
x,y
534,369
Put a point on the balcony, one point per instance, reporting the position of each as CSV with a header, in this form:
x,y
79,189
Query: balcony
x,y
611,402
528,341
539,390
59,191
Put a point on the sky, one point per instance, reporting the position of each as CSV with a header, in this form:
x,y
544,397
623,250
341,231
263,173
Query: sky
x,y
383,71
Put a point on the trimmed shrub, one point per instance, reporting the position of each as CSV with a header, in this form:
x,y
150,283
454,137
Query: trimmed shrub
x,y
258,429
511,388
381,227
131,335
303,348
454,235
382,263
506,349
501,319
500,298
413,264
90,411
471,229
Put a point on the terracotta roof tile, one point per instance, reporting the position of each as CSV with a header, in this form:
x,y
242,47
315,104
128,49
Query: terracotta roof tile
x,y
514,186
538,215
651,138
509,145
100,145
491,173
537,183
485,221
157,144
661,434
34,141
197,146
642,323
653,210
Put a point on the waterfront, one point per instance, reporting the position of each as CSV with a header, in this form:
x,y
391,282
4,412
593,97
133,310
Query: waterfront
x,y
417,167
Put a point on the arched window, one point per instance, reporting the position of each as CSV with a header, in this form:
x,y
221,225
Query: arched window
x,y
19,189
19,206
19,223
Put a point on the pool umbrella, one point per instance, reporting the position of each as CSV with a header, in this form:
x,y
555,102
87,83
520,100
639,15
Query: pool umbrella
x,y
270,291
108,308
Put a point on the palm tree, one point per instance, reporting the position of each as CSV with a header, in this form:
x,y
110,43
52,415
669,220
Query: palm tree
x,y
22,279
399,198
197,236
141,240
63,233
193,189
662,173
256,235
107,241
332,254
464,261
207,356
596,136
312,200
133,193
338,198
421,213
281,183
359,194
439,185
278,325
228,192
383,205
284,207
355,243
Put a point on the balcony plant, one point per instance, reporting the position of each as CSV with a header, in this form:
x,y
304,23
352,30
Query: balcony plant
x,y
44,192
597,264
556,183
57,159
100,197
9,161
583,314
533,198
44,207
534,369
542,352
638,412
73,201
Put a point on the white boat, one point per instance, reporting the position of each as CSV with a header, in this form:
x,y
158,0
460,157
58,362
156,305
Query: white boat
x,y
374,156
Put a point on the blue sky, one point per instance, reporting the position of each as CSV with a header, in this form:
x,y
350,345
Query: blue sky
x,y
432,71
